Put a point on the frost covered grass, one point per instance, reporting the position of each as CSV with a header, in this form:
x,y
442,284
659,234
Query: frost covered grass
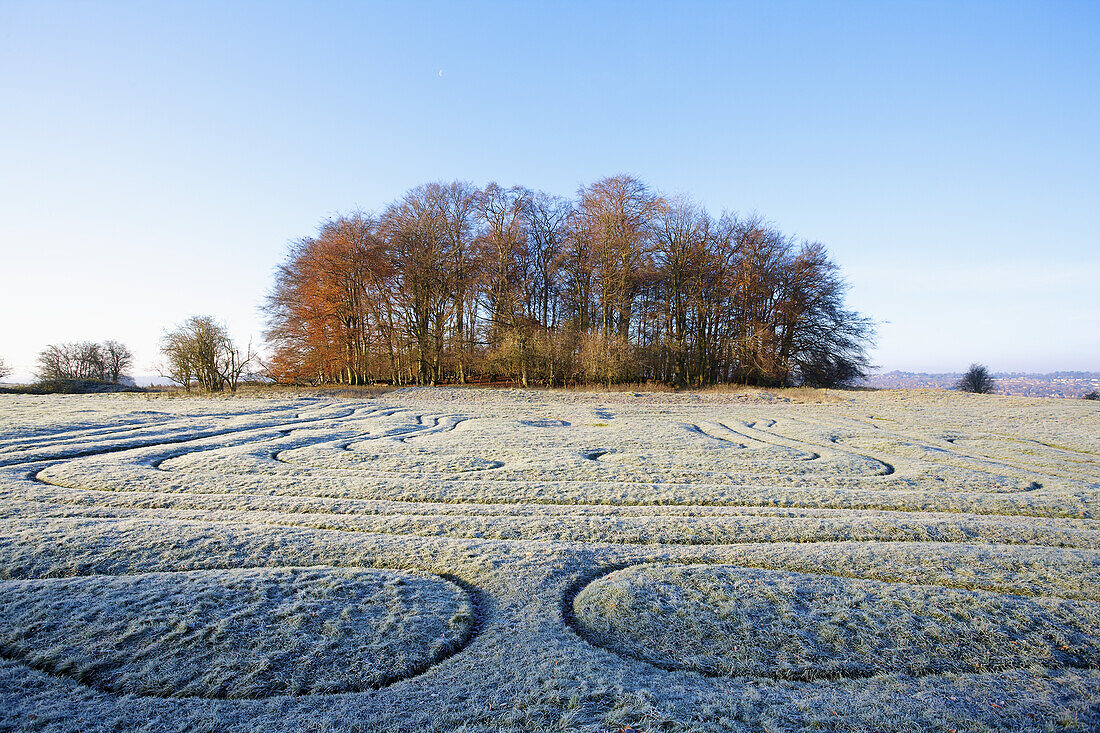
x,y
739,622
235,633
509,560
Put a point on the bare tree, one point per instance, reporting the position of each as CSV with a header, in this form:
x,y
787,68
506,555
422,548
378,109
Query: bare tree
x,y
233,364
977,380
615,216
548,219
821,342
85,360
681,234
200,351
88,361
117,360
54,362
460,204
420,250
179,363
507,270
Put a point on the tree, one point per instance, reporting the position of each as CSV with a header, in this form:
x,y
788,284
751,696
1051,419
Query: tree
x,y
821,342
420,251
1093,395
54,363
547,223
507,272
85,360
199,350
233,364
5,370
681,238
460,204
328,314
977,380
615,218
117,360
760,295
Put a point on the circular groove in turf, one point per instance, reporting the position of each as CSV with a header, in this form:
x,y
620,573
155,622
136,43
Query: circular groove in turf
x,y
729,621
236,633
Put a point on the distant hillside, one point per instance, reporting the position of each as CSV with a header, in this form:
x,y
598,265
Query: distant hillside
x,y
1053,384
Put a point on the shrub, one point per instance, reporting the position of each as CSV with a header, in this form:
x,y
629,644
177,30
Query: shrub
x,y
607,359
1093,395
977,380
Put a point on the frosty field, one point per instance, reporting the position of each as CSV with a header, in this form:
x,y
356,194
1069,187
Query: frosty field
x,y
450,559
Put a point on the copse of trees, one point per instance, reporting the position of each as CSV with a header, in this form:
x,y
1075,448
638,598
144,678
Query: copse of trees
x,y
84,361
453,283
199,353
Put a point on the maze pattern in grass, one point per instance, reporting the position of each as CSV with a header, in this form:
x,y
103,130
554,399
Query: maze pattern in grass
x,y
901,556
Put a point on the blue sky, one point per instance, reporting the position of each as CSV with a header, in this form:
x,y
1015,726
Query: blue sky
x,y
155,158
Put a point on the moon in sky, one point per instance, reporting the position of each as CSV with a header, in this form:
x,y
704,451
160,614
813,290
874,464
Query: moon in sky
x,y
441,72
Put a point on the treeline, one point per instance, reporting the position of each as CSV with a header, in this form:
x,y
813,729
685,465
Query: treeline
x,y
456,283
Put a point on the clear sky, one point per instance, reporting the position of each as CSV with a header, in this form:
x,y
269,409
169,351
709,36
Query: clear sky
x,y
155,158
